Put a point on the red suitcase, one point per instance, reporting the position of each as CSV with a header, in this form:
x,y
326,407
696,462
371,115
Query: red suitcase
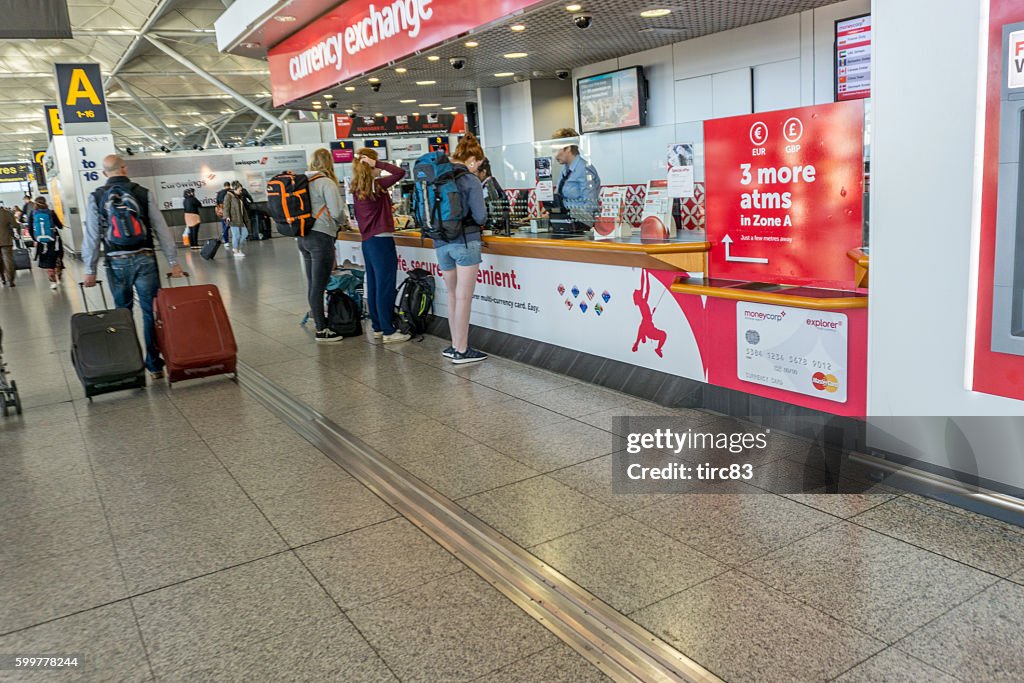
x,y
193,332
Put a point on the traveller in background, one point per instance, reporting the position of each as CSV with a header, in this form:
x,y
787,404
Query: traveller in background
x,y
495,198
579,186
192,218
460,259
131,262
317,246
26,209
49,252
8,231
376,221
224,227
237,218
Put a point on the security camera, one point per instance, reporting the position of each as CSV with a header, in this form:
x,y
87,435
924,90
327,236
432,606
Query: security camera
x,y
563,74
458,63
582,21
333,104
375,87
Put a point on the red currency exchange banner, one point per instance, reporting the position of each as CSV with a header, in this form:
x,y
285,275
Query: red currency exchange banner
x,y
784,195
360,35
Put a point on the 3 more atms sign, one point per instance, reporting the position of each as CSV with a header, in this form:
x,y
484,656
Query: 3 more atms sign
x,y
362,35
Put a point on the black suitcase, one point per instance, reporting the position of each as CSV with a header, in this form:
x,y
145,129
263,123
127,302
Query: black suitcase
x,y
22,259
209,249
105,349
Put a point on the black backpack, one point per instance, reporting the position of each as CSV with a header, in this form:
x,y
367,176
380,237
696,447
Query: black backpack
x,y
415,302
343,314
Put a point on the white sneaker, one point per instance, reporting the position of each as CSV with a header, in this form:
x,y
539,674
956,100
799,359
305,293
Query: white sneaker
x,y
239,254
53,285
396,337
377,334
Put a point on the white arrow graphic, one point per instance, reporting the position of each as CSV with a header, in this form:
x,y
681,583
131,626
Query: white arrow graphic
x,y
739,259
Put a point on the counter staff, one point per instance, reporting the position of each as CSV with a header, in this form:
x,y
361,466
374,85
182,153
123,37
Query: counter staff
x,y
579,187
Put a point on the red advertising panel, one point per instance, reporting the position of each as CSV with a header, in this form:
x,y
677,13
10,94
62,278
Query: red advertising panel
x,y
358,126
853,58
784,195
1000,374
361,35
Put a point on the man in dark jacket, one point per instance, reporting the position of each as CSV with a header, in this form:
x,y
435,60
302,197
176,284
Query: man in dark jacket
x,y
8,227
224,227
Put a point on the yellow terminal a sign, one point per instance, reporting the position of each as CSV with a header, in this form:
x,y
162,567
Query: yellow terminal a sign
x,y
80,93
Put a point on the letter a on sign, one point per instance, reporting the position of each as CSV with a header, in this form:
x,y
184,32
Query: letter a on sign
x,y
80,96
81,87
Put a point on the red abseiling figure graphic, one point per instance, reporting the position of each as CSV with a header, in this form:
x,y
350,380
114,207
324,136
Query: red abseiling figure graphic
x,y
647,330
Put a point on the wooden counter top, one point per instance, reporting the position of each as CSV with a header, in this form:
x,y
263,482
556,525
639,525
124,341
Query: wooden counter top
x,y
686,256
862,262
798,297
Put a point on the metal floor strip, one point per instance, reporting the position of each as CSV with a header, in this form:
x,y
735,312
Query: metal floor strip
x,y
618,646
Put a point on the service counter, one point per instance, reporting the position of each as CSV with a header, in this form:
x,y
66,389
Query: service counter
x,y
639,315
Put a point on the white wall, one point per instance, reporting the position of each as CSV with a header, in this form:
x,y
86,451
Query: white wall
x,y
778,64
553,106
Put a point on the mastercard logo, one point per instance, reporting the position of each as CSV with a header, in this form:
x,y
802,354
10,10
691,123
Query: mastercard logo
x,y
823,382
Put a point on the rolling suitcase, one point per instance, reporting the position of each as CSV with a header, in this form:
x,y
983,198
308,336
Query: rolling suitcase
x,y
22,258
193,332
105,349
209,249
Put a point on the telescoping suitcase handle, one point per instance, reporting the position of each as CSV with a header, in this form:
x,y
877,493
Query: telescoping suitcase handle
x,y
85,300
170,279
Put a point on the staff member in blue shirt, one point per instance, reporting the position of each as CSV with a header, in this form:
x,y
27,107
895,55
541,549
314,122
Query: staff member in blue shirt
x,y
579,187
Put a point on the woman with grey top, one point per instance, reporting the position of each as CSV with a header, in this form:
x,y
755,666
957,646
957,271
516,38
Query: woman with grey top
x,y
317,245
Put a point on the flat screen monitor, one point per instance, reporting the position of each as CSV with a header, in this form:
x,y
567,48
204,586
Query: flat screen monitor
x,y
613,100
853,58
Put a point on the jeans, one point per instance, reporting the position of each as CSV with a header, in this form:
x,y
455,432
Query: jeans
x,y
317,249
7,264
225,231
465,254
193,237
239,234
141,273
381,269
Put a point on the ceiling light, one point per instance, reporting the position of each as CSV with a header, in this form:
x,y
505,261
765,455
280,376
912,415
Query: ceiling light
x,y
379,114
349,111
350,88
515,55
373,80
448,108
472,43
655,13
573,8
505,74
401,70
518,27
328,97
425,82
407,101
317,104
432,104
284,18
433,58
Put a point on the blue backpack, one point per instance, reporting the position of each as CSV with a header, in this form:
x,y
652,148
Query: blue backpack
x,y
42,226
437,204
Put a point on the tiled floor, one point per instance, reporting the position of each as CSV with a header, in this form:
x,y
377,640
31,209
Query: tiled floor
x,y
189,534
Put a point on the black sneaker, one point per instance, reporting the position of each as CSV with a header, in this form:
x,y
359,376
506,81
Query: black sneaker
x,y
470,355
328,336
449,352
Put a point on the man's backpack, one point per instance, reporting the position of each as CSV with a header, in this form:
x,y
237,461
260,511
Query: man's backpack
x,y
289,203
415,302
42,226
437,204
126,221
343,314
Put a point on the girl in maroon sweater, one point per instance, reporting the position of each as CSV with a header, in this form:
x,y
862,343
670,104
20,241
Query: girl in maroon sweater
x,y
377,227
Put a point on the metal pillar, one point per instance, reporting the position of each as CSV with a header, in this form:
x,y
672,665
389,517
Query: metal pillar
x,y
268,131
145,108
137,129
154,16
223,86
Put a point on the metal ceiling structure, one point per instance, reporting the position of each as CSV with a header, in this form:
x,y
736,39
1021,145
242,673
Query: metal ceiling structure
x,y
548,37
165,80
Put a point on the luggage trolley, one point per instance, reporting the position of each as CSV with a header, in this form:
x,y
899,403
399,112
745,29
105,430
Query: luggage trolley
x,y
9,397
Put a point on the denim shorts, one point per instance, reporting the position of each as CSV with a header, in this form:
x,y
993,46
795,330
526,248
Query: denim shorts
x,y
458,254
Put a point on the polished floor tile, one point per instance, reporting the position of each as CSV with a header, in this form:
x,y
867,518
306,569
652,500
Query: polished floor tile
x,y
512,416
734,528
988,546
553,446
627,564
595,479
880,585
430,439
462,472
455,628
263,475
558,664
52,531
893,665
367,565
744,631
106,638
537,510
980,640
581,399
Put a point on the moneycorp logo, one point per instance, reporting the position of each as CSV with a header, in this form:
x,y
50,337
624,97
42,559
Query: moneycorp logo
x,y
401,16
823,382
761,315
